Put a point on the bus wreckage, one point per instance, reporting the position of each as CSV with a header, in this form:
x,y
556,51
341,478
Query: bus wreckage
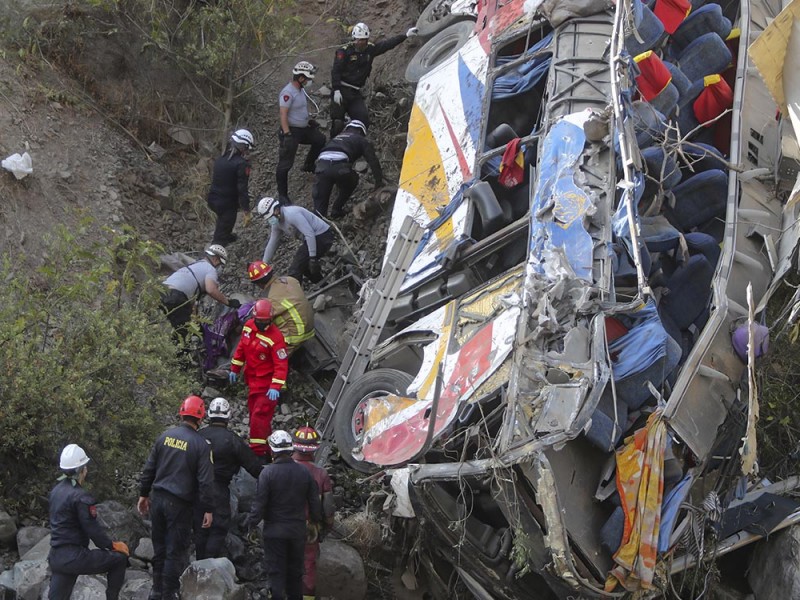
x,y
555,368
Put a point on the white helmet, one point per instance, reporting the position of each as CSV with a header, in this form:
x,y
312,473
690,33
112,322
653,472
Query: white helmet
x,y
358,125
360,31
280,441
73,457
242,136
267,207
219,409
218,251
304,68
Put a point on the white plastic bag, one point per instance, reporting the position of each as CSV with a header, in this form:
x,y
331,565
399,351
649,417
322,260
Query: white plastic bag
x,y
20,166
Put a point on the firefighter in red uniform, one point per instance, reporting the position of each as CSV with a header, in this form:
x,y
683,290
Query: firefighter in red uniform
x,y
305,442
263,350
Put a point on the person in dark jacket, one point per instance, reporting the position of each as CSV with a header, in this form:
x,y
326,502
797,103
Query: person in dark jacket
x,y
335,167
352,65
178,473
231,453
306,442
229,186
73,522
286,490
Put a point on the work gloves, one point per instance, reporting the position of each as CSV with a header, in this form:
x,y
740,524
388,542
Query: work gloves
x,y
234,303
232,377
273,395
337,97
413,32
120,547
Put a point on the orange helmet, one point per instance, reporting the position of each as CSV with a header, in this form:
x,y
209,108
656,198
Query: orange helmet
x,y
193,406
259,270
263,310
305,439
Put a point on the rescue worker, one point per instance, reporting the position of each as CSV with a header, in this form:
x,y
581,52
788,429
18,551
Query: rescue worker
x,y
296,127
317,233
291,310
177,475
188,284
262,353
305,442
73,522
286,493
335,167
230,453
229,186
352,65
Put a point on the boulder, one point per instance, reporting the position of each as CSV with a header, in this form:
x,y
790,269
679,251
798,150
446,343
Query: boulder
x,y
775,569
340,572
29,578
136,589
7,580
89,587
28,537
243,490
235,546
8,530
39,551
120,522
211,579
144,549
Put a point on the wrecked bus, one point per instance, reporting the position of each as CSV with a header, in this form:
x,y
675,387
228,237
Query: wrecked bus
x,y
588,209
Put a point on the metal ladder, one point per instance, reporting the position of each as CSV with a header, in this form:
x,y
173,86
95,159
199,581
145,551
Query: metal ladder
x,y
373,319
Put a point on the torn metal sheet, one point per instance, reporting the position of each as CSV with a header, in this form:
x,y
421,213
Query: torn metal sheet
x,y
400,505
749,451
397,428
560,206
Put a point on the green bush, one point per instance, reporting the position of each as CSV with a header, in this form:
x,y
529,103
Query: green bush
x,y
87,358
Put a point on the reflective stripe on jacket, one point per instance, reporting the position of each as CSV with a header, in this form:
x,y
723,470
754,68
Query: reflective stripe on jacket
x,y
293,313
264,355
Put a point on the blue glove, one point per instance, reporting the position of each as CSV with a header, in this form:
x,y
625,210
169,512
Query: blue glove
x,y
232,377
273,395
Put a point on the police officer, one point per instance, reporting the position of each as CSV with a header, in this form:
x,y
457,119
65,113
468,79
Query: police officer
x,y
229,186
286,493
305,442
178,474
296,127
231,453
352,64
292,313
188,284
73,522
335,167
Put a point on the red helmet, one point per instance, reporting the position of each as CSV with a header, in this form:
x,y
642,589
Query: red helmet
x,y
193,406
305,439
259,270
263,310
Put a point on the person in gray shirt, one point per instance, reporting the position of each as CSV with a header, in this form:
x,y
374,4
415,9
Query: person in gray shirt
x,y
301,222
188,284
296,128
